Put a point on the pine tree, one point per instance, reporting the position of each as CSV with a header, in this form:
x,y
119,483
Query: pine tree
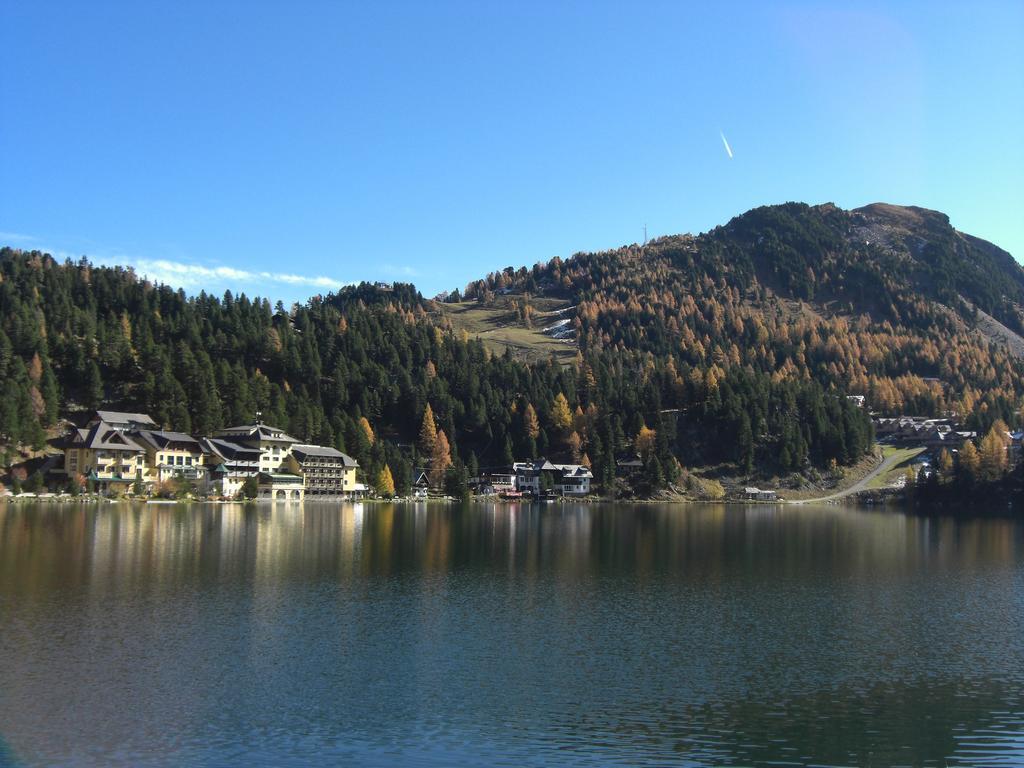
x,y
93,386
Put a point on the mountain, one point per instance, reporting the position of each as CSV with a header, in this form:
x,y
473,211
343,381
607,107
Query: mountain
x,y
733,348
885,301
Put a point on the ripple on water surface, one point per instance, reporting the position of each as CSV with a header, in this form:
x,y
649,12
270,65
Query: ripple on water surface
x,y
508,635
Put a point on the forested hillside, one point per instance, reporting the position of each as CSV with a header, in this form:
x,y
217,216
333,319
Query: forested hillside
x,y
887,302
735,347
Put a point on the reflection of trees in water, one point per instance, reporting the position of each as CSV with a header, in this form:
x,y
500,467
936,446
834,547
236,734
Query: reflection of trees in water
x,y
49,543
722,635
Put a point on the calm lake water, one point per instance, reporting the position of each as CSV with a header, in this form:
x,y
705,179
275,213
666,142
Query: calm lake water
x,y
508,635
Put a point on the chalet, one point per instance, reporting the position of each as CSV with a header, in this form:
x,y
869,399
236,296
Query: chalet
x,y
759,494
566,479
420,481
280,486
628,466
170,455
273,444
328,472
106,456
228,465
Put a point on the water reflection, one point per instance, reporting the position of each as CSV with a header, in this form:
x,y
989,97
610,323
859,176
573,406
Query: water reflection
x,y
526,634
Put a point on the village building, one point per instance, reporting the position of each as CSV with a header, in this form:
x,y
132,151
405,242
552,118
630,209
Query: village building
x,y
628,466
564,479
273,444
280,486
328,472
420,482
228,465
501,482
170,455
105,456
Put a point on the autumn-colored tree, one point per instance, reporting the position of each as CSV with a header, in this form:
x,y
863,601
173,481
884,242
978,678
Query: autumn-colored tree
x,y
969,461
530,423
364,425
644,442
945,464
35,368
992,455
440,460
385,483
428,433
561,416
575,445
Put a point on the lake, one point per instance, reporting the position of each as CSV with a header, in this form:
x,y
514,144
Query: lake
x,y
518,635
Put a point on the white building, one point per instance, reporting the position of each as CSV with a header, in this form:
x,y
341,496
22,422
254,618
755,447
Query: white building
x,y
274,445
566,479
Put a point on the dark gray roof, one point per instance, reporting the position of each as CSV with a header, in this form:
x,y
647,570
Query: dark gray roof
x,y
320,450
102,436
229,450
122,417
256,432
161,439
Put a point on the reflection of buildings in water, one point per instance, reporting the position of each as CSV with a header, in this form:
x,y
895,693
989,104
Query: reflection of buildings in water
x,y
350,533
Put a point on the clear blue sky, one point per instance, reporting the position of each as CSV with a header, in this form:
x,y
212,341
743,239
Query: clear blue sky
x,y
262,146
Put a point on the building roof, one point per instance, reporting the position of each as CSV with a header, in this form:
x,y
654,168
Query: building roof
x,y
123,417
161,439
257,432
303,449
102,436
543,465
228,450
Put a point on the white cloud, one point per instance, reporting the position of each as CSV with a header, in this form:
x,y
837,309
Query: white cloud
x,y
188,275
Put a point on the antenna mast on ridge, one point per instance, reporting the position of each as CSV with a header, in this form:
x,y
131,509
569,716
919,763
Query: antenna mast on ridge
x,y
645,234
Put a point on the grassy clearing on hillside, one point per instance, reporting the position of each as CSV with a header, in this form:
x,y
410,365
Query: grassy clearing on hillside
x,y
903,458
497,326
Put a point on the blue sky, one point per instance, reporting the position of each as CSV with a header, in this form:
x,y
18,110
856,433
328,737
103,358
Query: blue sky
x,y
283,149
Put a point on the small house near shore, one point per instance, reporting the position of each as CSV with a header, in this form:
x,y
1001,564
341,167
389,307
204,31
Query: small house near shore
x,y
759,494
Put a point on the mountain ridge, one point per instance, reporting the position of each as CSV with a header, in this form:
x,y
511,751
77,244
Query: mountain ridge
x,y
755,329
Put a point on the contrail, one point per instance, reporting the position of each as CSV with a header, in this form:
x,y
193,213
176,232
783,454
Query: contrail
x,y
728,149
